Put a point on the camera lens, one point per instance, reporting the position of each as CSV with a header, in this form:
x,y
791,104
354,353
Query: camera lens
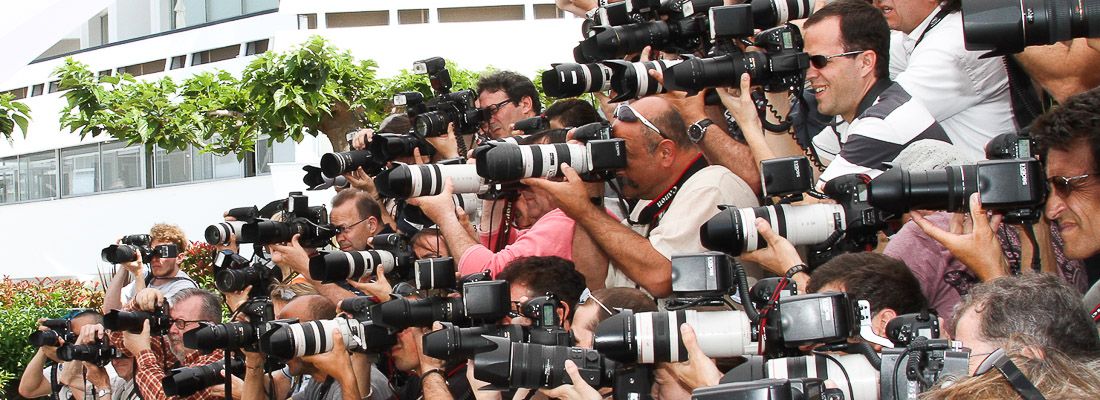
x,y
435,273
632,80
207,338
431,124
44,338
219,233
571,80
266,232
406,181
455,343
183,382
287,341
120,253
134,321
770,13
617,41
237,279
339,266
733,230
525,365
700,73
398,314
334,164
1009,26
390,146
655,336
899,191
508,162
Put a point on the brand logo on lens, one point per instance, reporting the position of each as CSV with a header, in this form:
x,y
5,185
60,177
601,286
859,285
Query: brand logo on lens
x,y
1023,174
797,172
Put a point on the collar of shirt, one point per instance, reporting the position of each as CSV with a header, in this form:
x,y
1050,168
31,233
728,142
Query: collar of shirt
x,y
911,39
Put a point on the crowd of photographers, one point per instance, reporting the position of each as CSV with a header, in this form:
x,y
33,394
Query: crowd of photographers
x,y
874,201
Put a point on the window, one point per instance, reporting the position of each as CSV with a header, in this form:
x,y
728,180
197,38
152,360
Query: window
x,y
256,47
18,93
307,21
191,165
268,152
36,90
205,166
79,170
105,72
417,16
9,175
353,19
177,62
251,6
38,173
480,14
171,168
547,11
150,67
54,86
122,166
215,55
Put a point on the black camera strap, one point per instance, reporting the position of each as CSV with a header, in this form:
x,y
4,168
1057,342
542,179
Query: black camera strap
x,y
932,24
55,386
1095,314
653,212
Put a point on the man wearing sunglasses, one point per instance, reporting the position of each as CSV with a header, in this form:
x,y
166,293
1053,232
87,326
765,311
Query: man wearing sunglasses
x,y
848,42
681,191
506,97
168,243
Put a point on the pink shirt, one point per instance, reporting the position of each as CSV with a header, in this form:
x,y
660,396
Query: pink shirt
x,y
551,235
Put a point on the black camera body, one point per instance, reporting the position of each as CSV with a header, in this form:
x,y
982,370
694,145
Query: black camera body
x,y
311,223
133,321
234,335
908,371
233,273
185,381
59,329
546,325
770,389
132,248
905,328
786,176
99,353
431,116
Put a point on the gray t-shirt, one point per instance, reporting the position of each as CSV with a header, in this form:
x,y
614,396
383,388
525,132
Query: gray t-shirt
x,y
168,287
380,388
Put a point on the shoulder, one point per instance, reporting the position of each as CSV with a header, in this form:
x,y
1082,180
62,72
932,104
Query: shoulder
x,y
726,186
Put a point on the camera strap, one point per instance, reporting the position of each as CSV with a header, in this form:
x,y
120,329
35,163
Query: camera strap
x,y
1095,314
932,24
55,386
653,212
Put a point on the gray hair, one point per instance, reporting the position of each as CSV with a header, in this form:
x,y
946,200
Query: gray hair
x,y
209,310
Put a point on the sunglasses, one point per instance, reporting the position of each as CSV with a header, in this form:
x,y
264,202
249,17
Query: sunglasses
x,y
820,61
1064,186
624,112
1000,361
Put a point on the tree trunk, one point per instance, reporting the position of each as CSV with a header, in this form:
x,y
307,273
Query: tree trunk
x,y
336,127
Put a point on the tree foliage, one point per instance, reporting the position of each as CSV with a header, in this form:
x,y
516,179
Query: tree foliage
x,y
13,114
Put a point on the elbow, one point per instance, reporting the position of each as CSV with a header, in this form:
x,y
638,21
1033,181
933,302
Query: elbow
x,y
661,288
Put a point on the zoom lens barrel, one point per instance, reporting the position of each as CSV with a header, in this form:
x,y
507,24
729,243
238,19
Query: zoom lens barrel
x,y
733,230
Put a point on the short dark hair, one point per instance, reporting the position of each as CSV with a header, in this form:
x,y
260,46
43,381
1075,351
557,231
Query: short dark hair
x,y
862,27
364,203
210,308
1032,310
572,112
514,85
884,281
551,274
672,126
618,297
319,307
1064,127
395,123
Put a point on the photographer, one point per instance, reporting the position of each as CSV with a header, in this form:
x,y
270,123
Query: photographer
x,y
329,372
103,383
601,304
155,355
507,97
848,42
427,377
663,166
969,96
38,380
530,277
164,273
570,113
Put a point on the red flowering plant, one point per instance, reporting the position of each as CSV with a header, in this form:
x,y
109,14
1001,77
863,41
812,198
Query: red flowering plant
x,y
198,263
22,303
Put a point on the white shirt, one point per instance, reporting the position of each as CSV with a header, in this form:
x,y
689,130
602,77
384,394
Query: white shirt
x,y
695,203
967,95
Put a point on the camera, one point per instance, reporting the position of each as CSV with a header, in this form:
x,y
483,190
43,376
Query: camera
x,y
336,164
59,329
132,248
407,181
771,389
1014,186
854,375
480,301
455,343
905,328
287,340
503,162
219,233
1006,27
186,381
528,365
533,125
908,371
850,225
435,273
780,66
233,273
571,80
338,266
391,146
652,337
430,117
99,353
299,218
546,325
133,321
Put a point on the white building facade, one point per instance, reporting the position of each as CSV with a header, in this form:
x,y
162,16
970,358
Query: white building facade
x,y
62,198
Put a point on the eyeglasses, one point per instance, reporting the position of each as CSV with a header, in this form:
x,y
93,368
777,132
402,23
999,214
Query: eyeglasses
x,y
181,324
626,113
820,61
609,311
342,229
492,110
1064,186
999,360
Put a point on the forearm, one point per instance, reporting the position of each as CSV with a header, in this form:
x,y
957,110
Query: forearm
x,y
349,388
253,383
360,365
721,149
72,375
1060,69
590,261
456,236
32,383
434,386
631,253
113,298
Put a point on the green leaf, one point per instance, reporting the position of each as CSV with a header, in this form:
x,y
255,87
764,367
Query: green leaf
x,y
22,122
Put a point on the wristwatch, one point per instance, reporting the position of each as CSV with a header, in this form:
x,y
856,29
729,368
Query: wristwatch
x,y
697,130
103,392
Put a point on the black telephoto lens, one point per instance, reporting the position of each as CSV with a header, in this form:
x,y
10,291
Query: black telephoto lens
x,y
399,314
1009,26
266,232
949,189
134,321
431,124
183,382
120,253
617,41
44,338
335,164
770,13
207,338
525,365
696,74
236,279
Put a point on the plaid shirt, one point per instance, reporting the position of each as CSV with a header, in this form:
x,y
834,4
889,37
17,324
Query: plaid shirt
x,y
153,364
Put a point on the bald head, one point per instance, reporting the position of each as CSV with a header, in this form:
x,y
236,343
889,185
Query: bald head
x,y
308,307
664,116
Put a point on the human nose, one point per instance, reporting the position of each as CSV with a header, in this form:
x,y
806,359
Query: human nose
x,y
1054,207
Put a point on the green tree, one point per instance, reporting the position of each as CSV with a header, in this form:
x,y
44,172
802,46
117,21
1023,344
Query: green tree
x,y
12,114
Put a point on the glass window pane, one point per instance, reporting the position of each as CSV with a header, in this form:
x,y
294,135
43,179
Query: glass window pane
x,y
39,176
170,168
227,166
79,173
251,6
263,156
8,176
202,165
217,10
122,166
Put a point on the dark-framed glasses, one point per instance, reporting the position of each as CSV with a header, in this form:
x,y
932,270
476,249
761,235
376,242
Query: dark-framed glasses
x,y
342,229
820,61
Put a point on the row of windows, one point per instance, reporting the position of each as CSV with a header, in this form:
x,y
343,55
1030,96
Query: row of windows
x,y
113,166
151,67
421,16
